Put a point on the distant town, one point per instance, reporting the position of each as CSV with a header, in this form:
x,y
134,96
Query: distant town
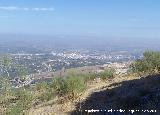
x,y
54,61
43,66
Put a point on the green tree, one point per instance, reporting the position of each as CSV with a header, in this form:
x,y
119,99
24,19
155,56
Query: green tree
x,y
149,63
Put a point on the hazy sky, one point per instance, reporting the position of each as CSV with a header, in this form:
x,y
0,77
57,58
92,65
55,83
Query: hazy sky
x,y
118,18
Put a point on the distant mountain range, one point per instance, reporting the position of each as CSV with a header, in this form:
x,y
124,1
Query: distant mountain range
x,y
37,43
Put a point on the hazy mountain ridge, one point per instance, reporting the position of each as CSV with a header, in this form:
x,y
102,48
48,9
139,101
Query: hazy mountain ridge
x,y
79,42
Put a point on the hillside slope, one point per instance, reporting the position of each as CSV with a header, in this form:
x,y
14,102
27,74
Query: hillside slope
x,y
138,94
85,100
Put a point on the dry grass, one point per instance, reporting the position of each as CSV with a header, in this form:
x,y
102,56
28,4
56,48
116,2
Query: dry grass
x,y
92,87
53,107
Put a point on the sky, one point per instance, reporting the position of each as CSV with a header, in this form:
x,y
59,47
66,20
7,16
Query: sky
x,y
109,18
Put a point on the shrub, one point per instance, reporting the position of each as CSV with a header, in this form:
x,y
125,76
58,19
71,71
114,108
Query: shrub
x,y
75,84
24,101
88,76
25,98
47,95
149,63
16,110
41,86
109,73
45,91
70,86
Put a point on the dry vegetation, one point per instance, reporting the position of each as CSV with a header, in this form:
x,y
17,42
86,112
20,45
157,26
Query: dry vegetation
x,y
60,91
67,95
